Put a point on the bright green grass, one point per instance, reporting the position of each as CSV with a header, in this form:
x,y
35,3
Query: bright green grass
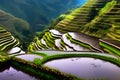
x,y
30,48
78,42
59,56
42,45
49,42
107,7
113,50
41,54
114,36
52,37
62,43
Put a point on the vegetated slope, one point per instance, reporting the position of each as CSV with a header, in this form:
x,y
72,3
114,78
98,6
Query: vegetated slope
x,y
98,18
81,16
70,41
38,12
7,41
18,27
106,24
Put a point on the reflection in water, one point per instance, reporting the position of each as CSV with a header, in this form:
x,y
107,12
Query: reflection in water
x,y
74,46
29,57
88,68
55,32
57,42
9,73
14,50
12,74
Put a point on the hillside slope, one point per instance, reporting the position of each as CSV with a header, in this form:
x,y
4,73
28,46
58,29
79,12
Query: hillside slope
x,y
100,19
81,16
7,41
18,27
95,26
38,12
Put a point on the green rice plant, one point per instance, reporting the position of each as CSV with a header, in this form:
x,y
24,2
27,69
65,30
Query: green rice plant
x,y
10,45
107,7
50,43
78,42
110,48
52,37
114,36
30,48
69,17
41,44
50,40
62,43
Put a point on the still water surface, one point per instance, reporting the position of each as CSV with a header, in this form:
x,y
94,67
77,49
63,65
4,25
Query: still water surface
x,y
88,68
11,73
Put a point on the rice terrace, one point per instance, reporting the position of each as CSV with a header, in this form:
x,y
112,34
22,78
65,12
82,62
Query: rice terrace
x,y
60,40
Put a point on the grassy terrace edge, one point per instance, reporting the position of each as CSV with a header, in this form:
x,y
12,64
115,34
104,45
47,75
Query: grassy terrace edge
x,y
39,70
79,42
60,56
4,58
110,49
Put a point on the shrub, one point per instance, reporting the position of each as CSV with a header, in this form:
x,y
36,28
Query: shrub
x,y
37,61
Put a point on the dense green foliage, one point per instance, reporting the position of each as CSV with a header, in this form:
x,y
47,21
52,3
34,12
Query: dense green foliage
x,y
38,13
